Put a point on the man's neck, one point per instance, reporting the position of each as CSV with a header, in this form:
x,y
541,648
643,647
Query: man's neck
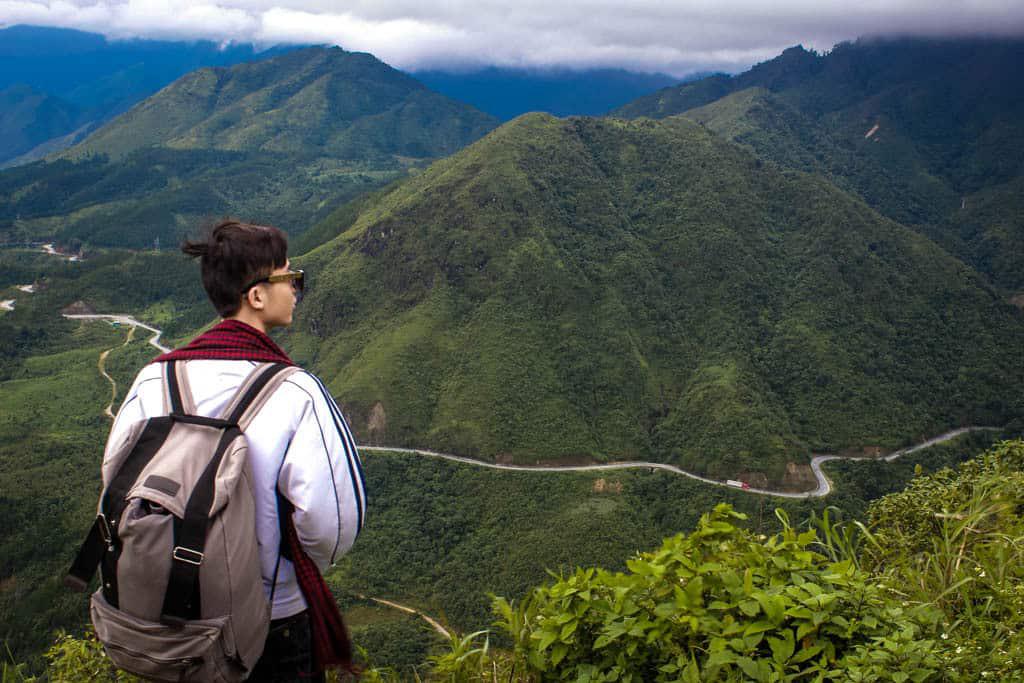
x,y
250,318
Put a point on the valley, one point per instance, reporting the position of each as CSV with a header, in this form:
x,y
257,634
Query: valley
x,y
824,486
557,340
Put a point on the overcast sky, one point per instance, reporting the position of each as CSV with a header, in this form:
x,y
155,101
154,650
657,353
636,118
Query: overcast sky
x,y
673,36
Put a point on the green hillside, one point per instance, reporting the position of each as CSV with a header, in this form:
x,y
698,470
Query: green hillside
x,y
29,118
466,531
915,596
742,280
614,290
444,534
347,105
285,140
52,426
925,131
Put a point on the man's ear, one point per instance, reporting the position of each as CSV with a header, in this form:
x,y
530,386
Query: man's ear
x,y
254,297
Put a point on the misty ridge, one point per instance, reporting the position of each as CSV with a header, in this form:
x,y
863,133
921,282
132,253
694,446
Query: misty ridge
x,y
726,276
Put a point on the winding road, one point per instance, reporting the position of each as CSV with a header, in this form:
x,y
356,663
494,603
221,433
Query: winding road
x,y
823,489
124,320
103,371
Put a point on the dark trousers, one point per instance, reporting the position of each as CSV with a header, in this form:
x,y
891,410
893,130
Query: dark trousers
x,y
288,655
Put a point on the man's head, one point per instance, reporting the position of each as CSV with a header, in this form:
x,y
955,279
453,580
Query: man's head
x,y
240,263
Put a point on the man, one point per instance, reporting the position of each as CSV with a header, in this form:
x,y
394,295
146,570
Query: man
x,y
302,453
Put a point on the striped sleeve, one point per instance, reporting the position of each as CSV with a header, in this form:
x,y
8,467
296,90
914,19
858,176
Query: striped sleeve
x,y
322,476
132,409
354,464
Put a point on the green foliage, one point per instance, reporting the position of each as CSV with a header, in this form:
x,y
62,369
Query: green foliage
x,y
931,592
81,660
71,659
956,539
12,671
722,604
442,535
165,194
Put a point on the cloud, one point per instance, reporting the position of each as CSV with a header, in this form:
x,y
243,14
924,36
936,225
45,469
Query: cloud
x,y
677,37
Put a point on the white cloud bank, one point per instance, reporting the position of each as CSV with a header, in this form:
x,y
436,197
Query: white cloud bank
x,y
672,36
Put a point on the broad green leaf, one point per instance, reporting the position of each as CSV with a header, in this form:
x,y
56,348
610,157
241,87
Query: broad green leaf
x,y
805,629
568,630
773,605
758,671
782,648
799,612
545,638
758,627
750,607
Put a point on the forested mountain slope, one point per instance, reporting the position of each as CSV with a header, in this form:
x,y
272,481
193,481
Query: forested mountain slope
x,y
284,141
94,77
348,105
615,289
929,132
29,117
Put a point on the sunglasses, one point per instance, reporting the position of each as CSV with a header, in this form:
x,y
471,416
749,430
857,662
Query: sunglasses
x,y
296,277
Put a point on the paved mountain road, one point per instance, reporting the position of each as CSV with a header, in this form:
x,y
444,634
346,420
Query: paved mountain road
x,y
124,320
823,489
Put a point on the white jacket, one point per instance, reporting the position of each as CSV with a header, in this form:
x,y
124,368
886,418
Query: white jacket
x,y
298,441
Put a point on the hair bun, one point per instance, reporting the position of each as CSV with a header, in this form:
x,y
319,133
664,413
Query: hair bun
x,y
195,249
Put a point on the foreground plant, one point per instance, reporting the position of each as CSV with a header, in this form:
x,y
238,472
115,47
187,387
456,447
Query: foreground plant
x,y
956,539
722,604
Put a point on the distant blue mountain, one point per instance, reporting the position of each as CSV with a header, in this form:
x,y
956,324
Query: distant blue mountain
x,y
507,93
63,62
79,80
92,77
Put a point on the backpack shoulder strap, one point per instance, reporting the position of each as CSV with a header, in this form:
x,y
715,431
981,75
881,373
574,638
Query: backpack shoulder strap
x,y
182,598
177,394
254,392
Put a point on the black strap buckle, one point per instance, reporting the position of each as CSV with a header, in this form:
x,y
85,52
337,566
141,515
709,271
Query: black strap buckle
x,y
187,555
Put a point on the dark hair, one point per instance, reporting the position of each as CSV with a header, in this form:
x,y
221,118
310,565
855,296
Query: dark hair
x,y
233,254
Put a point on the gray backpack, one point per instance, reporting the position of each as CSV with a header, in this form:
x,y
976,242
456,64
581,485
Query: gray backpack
x,y
181,595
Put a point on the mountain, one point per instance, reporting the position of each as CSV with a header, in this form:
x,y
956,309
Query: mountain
x,y
283,141
29,117
626,290
507,93
97,77
929,132
317,100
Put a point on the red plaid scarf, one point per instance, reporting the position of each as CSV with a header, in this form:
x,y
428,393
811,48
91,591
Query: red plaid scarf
x,y
331,645
230,340
235,340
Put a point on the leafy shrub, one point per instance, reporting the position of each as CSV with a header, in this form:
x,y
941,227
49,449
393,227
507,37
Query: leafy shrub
x,y
723,604
956,539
